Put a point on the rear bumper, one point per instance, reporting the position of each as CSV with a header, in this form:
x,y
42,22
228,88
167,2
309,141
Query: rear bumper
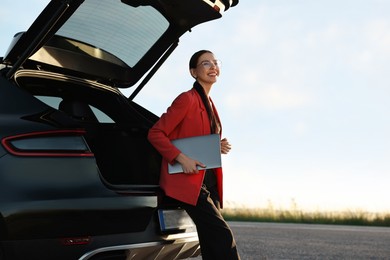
x,y
177,246
142,245
149,243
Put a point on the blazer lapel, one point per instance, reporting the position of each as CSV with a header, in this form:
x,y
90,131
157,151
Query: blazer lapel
x,y
203,114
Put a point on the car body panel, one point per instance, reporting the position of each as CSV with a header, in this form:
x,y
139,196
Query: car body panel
x,y
50,180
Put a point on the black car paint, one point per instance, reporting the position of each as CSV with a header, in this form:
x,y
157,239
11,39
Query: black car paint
x,y
51,179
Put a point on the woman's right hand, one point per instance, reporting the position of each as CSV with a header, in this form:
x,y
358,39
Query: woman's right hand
x,y
188,164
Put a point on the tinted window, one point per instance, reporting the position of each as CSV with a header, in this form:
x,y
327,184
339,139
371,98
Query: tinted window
x,y
128,33
101,116
55,101
50,101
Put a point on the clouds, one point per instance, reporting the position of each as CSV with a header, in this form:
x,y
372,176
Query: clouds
x,y
264,94
308,86
375,53
284,52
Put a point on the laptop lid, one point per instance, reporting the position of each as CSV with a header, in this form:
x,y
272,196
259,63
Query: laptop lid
x,y
204,148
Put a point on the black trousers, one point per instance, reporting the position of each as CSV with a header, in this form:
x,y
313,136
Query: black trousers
x,y
215,237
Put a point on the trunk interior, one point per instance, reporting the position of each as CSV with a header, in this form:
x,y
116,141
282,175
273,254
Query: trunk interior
x,y
123,154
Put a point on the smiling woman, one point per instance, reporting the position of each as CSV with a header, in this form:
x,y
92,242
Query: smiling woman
x,y
198,188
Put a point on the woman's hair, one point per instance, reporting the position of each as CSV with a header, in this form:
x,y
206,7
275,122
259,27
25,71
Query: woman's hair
x,y
195,58
213,119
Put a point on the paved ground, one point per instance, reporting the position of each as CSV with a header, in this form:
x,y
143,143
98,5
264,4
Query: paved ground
x,y
295,241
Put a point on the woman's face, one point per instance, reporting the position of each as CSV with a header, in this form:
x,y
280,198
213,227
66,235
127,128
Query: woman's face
x,y
207,69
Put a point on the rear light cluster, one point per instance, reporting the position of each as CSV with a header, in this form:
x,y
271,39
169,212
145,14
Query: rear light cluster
x,y
57,143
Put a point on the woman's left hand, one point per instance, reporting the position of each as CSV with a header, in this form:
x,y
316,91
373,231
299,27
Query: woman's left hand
x,y
225,146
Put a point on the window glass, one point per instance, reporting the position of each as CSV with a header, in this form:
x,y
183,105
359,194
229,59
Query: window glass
x,y
54,102
101,116
128,33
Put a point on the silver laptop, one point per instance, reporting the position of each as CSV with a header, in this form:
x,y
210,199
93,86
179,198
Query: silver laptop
x,y
204,148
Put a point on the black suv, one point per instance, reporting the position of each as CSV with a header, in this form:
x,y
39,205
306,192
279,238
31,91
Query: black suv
x,y
78,178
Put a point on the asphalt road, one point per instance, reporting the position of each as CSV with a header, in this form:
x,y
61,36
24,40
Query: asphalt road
x,y
259,241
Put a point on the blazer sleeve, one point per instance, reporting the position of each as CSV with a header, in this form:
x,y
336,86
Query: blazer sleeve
x,y
160,134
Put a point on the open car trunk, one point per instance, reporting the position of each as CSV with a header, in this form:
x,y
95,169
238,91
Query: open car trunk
x,y
118,140
83,51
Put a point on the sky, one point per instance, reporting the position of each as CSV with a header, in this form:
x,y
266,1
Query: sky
x,y
303,98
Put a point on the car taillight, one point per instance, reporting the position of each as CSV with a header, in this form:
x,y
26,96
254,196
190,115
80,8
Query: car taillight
x,y
57,143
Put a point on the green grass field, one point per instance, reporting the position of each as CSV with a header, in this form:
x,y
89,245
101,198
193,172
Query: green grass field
x,y
299,216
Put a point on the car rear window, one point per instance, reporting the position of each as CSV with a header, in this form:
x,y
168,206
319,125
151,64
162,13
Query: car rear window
x,y
127,33
54,102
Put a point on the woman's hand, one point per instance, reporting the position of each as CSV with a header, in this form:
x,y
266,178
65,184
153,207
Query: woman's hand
x,y
189,165
225,146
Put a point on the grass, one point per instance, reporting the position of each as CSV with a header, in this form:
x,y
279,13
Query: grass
x,y
295,215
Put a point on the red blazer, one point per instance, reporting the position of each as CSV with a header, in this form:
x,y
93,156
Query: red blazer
x,y
186,117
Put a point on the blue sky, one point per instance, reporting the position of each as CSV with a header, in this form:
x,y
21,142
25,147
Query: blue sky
x,y
303,97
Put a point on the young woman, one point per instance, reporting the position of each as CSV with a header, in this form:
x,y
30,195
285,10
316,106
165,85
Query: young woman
x,y
193,113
